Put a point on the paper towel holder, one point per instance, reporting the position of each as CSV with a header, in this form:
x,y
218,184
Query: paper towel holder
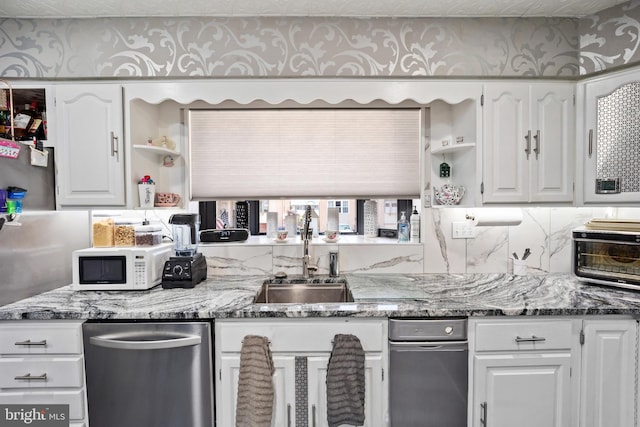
x,y
496,217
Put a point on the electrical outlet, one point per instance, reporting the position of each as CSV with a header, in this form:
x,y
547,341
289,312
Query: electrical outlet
x,y
463,230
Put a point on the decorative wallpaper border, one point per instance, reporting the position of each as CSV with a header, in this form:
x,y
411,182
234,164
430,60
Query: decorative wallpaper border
x,y
610,38
288,47
327,47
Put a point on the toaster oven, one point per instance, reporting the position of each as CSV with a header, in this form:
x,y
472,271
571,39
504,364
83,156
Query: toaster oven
x,y
606,257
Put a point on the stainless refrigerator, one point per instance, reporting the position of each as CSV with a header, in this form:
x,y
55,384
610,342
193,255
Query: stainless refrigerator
x,y
35,248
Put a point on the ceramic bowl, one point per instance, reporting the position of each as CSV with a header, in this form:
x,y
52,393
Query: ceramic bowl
x,y
449,194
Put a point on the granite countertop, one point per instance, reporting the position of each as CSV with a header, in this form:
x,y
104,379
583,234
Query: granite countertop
x,y
379,295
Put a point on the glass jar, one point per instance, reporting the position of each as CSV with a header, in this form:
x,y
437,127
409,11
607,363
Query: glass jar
x,y
148,235
124,233
103,233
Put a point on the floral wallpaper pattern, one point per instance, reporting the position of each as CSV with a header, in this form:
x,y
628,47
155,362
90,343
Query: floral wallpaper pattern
x,y
610,38
287,47
328,47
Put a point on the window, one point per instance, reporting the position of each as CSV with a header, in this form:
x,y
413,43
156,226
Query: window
x,y
332,153
342,205
220,214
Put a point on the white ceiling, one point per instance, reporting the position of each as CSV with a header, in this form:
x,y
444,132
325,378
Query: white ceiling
x,y
352,8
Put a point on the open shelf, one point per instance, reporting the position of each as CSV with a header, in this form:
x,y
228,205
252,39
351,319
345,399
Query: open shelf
x,y
451,148
158,150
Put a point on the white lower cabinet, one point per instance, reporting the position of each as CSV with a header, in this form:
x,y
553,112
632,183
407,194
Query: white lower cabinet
x,y
301,349
559,372
522,372
41,363
609,373
317,375
529,390
283,382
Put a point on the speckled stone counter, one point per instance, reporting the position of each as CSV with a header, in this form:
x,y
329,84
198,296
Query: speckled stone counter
x,y
380,295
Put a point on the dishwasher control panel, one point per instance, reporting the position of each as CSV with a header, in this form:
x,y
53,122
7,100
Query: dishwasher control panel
x,y
427,329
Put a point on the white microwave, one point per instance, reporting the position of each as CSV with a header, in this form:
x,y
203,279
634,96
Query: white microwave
x,y
119,268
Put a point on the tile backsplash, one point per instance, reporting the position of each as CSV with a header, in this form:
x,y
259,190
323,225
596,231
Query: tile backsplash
x,y
546,231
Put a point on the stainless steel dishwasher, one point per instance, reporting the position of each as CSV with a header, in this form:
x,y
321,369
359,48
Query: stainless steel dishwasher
x,y
428,372
149,374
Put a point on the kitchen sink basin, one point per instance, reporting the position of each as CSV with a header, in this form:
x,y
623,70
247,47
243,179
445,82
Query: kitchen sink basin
x,y
303,291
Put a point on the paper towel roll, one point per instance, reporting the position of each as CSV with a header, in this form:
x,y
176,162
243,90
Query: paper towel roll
x,y
272,224
333,219
495,217
291,225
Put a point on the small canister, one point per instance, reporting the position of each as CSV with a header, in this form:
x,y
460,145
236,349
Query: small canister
x,y
124,233
103,233
148,235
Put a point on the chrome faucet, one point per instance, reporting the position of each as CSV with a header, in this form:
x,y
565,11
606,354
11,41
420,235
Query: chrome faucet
x,y
306,259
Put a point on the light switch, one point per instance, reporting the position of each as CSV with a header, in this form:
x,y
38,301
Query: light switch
x,y
463,230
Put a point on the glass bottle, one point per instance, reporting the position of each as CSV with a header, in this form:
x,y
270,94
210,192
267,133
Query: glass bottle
x,y
403,228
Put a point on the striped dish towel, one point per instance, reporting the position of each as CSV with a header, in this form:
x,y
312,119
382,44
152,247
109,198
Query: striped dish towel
x,y
345,382
254,405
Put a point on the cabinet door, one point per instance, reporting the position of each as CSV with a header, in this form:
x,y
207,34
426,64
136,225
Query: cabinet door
x,y
227,390
90,158
608,373
525,390
553,137
608,142
374,407
506,126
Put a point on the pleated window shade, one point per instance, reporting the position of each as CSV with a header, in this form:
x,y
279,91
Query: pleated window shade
x,y
304,153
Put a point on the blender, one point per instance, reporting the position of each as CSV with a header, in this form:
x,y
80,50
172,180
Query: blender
x,y
187,267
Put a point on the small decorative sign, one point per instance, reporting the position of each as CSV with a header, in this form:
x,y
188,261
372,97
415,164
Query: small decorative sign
x,y
445,170
9,149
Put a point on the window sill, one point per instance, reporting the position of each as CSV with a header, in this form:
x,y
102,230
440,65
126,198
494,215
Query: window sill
x,y
343,240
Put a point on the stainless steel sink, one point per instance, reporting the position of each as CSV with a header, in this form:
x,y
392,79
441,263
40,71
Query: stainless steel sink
x,y
303,291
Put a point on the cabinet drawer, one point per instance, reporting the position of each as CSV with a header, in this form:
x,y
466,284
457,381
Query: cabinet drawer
x,y
52,337
59,371
74,398
303,335
528,335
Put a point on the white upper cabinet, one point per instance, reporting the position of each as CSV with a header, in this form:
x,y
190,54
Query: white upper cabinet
x,y
90,156
528,142
608,139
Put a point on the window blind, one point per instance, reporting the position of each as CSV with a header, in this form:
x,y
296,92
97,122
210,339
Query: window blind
x,y
304,153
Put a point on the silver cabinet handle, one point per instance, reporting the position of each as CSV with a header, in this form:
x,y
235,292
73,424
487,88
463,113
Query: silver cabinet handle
x,y
32,343
483,414
30,377
113,341
532,339
313,415
537,149
590,142
114,146
527,149
289,415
